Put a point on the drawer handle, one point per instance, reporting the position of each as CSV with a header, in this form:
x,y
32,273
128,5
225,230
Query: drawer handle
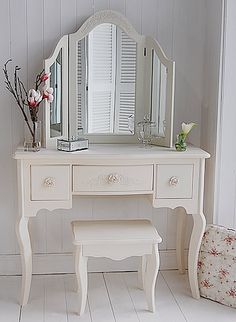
x,y
49,182
173,181
113,178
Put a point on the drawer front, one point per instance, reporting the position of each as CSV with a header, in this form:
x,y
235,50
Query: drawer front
x,y
174,181
50,182
112,178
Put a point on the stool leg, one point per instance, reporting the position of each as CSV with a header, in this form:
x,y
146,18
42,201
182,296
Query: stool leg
x,y
82,279
151,276
141,272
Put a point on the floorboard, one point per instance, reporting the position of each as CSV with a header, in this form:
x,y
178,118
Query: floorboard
x,y
9,292
166,307
112,297
196,310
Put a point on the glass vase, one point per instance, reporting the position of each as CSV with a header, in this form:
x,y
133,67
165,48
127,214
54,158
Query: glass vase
x,y
180,144
32,140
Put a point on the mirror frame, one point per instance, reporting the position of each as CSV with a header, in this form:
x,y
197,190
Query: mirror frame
x,y
143,95
51,142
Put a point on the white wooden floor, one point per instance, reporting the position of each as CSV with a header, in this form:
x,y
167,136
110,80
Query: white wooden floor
x,y
111,297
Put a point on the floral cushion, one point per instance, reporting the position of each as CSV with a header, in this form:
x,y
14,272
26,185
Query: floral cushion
x,y
217,265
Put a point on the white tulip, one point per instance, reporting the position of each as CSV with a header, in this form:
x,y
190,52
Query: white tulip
x,y
187,127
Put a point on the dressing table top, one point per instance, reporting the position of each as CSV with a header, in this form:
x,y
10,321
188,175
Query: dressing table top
x,y
118,151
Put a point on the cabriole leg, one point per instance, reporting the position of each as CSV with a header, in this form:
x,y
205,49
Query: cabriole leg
x,y
82,279
141,272
180,238
22,231
151,276
199,224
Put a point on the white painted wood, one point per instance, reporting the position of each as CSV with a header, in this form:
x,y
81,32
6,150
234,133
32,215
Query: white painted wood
x,y
211,108
49,233
121,303
98,299
225,200
149,278
57,263
180,238
199,224
82,278
109,155
55,304
71,298
34,311
127,301
50,182
62,46
166,306
175,181
116,240
192,310
26,257
9,308
7,170
112,178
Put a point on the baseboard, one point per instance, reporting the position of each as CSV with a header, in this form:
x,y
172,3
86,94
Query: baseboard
x,y
64,263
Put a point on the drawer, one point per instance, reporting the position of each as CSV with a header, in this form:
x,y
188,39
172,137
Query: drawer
x,y
174,181
50,182
113,178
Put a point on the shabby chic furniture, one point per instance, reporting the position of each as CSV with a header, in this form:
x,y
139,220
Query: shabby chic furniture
x,y
48,179
116,239
106,78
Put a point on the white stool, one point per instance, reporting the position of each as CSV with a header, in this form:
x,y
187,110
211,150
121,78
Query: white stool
x,y
117,239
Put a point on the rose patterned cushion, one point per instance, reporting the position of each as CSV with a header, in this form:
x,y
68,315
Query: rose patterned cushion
x,y
217,265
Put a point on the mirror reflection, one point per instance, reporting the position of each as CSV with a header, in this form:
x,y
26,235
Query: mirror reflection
x,y
106,77
159,91
56,105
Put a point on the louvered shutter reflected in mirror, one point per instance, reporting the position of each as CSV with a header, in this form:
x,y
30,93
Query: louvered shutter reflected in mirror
x,y
125,84
101,78
106,76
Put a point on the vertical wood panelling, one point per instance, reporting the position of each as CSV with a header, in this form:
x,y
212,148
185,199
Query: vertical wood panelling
x,y
35,55
133,13
211,100
52,33
188,51
68,16
83,10
164,19
33,27
51,25
101,5
117,5
149,17
7,209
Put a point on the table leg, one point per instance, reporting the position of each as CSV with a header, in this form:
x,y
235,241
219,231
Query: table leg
x,y
199,224
22,231
180,238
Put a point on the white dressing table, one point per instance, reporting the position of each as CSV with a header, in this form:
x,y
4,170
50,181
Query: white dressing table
x,y
49,178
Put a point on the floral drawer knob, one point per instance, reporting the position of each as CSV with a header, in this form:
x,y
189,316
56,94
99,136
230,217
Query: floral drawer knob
x,y
49,182
113,178
173,181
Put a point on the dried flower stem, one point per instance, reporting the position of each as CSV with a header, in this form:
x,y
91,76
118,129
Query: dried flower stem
x,y
20,94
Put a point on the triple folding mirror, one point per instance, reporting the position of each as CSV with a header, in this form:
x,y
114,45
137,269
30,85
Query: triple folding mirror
x,y
106,77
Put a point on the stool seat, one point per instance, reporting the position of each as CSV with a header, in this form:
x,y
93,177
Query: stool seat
x,y
117,239
114,231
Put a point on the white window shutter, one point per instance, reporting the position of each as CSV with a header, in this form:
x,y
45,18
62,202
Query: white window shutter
x,y
125,83
101,78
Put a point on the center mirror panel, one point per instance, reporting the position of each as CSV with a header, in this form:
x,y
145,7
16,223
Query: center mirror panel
x,y
105,83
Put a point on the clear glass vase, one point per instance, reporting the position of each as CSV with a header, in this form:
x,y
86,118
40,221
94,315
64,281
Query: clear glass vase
x,y
145,131
32,140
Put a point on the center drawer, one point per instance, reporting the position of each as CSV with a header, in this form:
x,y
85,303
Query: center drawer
x,y
108,178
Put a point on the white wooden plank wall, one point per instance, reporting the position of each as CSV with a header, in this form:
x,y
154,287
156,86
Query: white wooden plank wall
x,y
29,30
